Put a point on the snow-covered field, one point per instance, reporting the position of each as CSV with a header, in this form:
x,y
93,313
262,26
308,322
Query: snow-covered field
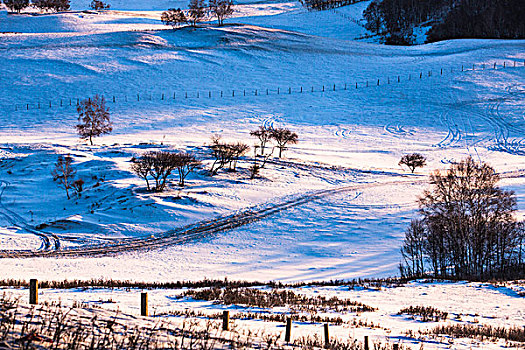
x,y
357,107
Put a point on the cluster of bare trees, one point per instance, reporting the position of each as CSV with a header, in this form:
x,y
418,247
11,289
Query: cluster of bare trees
x,y
197,12
42,5
64,175
160,165
98,5
281,136
226,154
467,228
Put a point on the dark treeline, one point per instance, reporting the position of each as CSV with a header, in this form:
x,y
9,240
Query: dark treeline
x,y
326,4
502,19
394,20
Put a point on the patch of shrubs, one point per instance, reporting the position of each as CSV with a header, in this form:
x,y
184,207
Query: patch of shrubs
x,y
426,313
515,334
275,298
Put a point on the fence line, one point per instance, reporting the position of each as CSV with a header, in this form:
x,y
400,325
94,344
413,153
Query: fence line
x,y
238,93
144,312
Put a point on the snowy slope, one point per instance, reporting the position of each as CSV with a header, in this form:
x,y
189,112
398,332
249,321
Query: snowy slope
x,y
266,62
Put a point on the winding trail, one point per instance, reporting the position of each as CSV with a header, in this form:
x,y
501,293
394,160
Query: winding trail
x,y
208,227
203,228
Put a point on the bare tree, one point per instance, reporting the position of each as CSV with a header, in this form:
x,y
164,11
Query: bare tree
x,y
283,137
238,150
142,167
187,163
93,117
64,173
226,154
221,153
163,165
413,161
264,135
16,5
196,12
173,17
221,9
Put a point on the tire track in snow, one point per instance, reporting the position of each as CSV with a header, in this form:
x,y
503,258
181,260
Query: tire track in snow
x,y
201,229
49,240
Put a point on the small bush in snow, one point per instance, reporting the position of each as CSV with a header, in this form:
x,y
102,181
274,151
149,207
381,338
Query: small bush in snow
x,y
78,186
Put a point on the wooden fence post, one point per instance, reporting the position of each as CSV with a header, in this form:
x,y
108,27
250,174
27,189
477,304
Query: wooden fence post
x,y
288,334
396,347
225,320
144,304
33,291
366,343
326,335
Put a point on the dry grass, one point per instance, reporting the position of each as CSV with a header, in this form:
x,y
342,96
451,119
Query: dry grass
x,y
276,298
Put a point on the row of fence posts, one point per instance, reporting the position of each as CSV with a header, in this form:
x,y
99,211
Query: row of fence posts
x,y
144,311
256,92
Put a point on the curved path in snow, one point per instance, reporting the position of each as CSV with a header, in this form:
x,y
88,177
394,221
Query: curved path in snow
x,y
201,229
209,227
49,240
